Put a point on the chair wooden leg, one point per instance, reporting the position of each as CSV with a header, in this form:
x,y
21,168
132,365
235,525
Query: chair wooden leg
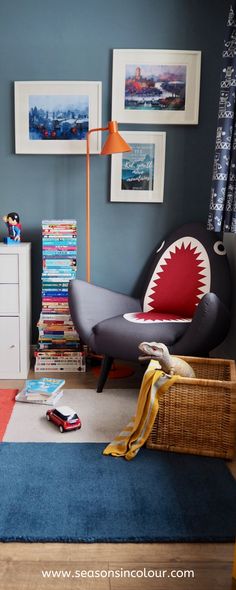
x,y
105,368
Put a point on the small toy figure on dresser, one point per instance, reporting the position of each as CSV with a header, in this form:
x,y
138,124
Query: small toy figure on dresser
x,y
13,224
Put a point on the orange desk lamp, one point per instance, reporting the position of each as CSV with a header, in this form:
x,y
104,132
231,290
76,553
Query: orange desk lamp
x,y
114,144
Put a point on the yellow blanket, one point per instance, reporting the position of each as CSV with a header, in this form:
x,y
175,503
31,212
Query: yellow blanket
x,y
135,434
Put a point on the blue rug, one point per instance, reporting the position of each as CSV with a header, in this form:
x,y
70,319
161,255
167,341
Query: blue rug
x,y
72,493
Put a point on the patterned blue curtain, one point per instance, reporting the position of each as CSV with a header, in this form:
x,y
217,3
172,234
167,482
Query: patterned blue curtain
x,y
222,211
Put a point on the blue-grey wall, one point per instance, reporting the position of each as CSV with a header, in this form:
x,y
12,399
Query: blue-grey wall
x,y
73,40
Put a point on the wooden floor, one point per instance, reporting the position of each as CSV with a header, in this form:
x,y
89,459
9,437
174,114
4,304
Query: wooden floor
x,y
21,564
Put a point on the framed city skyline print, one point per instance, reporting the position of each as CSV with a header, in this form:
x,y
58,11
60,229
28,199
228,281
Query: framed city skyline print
x,y
138,176
54,117
156,86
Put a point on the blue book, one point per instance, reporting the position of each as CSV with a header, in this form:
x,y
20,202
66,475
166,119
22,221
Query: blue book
x,y
44,386
59,242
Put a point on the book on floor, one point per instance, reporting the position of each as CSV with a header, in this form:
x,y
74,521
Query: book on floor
x,y
45,386
37,399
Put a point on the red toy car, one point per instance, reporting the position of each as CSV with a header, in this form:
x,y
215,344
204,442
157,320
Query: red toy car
x,y
65,417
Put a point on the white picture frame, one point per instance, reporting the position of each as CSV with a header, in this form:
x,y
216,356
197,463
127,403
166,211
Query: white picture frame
x,y
156,86
143,169
53,117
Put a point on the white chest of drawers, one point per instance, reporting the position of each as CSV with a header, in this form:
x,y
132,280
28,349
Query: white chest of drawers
x,y
15,310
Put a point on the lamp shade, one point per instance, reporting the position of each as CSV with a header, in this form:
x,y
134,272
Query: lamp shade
x,y
114,143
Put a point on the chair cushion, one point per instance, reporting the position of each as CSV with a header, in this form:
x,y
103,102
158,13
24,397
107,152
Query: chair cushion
x,y
120,339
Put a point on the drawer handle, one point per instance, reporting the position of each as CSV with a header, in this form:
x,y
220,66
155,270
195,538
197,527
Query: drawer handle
x,y
12,346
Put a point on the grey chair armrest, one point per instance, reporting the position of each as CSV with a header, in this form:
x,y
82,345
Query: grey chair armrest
x,y
90,304
208,328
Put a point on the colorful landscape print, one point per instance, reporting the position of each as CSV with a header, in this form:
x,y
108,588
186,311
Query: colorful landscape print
x,y
138,167
58,117
156,87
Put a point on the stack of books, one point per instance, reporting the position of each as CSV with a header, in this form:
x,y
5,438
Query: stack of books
x,y
58,345
41,391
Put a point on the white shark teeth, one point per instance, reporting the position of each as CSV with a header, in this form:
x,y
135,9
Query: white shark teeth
x,y
132,317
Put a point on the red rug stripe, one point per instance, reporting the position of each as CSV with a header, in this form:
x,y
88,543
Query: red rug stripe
x,y
7,402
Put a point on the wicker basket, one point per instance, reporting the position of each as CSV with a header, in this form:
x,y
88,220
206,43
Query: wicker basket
x,y
198,415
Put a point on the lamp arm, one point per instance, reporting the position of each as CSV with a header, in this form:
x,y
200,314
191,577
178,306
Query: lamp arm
x,y
88,207
97,129
88,249
114,144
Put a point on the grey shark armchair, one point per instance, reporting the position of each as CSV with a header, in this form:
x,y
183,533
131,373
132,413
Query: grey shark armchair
x,y
185,303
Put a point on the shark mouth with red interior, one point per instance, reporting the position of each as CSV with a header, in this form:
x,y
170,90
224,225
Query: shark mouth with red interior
x,y
180,279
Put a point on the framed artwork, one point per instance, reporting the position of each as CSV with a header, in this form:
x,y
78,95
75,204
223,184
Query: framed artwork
x,y
54,117
156,86
138,176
